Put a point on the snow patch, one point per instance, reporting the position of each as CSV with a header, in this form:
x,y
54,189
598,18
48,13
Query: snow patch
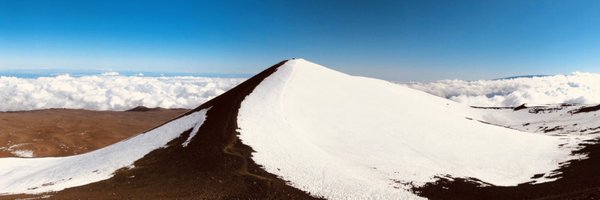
x,y
23,153
193,133
13,149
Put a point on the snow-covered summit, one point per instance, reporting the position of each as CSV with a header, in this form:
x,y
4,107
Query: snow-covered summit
x,y
337,135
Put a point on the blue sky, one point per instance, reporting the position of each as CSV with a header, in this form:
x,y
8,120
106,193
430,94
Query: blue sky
x,y
394,40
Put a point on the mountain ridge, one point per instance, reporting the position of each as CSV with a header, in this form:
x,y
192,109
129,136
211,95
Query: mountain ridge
x,y
299,130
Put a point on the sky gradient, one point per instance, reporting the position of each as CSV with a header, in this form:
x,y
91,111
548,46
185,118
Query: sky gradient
x,y
394,40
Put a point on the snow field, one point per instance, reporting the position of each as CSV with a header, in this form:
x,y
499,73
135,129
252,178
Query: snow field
x,y
339,136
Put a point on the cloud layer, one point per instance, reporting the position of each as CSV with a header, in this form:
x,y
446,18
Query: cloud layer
x,y
109,92
576,88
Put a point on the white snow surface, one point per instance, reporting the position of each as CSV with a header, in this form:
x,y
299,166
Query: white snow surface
x,y
576,88
109,91
340,136
23,153
549,119
192,134
36,175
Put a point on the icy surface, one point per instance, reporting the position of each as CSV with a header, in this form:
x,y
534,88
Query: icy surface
x,y
35,175
340,136
578,88
109,91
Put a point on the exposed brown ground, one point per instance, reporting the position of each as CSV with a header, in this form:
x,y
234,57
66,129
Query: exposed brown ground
x,y
65,132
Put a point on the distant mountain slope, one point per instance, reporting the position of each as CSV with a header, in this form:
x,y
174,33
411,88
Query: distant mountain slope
x,y
521,76
548,119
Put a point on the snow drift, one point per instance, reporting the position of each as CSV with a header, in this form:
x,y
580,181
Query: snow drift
x,y
337,136
109,92
576,88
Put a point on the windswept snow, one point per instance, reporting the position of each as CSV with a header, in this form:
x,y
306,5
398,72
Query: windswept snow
x,y
340,136
109,91
576,88
192,134
35,175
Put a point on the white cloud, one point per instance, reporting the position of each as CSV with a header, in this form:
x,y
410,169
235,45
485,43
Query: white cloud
x,y
109,92
577,88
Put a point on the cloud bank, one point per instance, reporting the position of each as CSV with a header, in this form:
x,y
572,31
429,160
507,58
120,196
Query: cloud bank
x,y
109,92
576,88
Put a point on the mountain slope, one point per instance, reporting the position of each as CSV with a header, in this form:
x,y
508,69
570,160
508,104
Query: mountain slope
x,y
337,135
296,129
214,165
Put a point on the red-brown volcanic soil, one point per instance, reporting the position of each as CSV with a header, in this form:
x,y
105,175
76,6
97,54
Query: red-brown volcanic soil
x,y
65,132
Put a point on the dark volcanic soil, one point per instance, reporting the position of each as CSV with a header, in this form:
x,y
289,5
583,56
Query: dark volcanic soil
x,y
215,164
66,132
588,109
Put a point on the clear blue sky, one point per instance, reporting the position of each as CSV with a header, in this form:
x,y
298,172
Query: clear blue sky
x,y
395,40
